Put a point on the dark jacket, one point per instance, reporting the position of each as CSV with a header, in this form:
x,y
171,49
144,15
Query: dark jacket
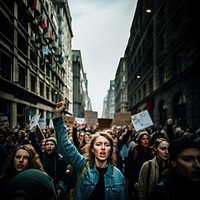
x,y
175,187
54,165
135,159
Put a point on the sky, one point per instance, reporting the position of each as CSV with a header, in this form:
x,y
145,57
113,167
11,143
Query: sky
x,y
101,29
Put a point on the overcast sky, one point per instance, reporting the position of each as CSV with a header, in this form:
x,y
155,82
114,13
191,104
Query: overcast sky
x,y
101,30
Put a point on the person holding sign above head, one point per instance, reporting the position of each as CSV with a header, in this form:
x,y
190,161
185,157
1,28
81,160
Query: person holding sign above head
x,y
102,180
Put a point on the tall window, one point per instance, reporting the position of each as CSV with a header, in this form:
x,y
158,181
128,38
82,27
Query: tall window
x,y
22,76
5,66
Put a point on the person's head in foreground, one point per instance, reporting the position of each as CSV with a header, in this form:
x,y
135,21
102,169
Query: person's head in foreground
x,y
185,158
101,150
31,184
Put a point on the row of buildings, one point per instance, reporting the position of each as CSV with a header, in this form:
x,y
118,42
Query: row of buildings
x,y
37,64
160,71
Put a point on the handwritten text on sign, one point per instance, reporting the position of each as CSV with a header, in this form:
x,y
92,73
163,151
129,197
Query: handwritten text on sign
x,y
141,120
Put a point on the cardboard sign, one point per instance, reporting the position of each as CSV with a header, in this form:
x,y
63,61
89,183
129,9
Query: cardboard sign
x,y
141,120
104,123
39,133
69,120
91,118
122,118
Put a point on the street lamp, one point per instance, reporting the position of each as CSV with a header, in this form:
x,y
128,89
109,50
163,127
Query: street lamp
x,y
138,76
148,7
148,10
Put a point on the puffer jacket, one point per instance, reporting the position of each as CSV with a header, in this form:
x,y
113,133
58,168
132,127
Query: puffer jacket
x,y
115,183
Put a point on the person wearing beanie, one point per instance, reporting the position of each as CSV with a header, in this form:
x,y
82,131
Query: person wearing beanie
x,y
31,184
52,139
54,164
182,179
141,153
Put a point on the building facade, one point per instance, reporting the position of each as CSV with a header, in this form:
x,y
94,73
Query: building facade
x,y
35,59
81,100
163,62
109,102
121,89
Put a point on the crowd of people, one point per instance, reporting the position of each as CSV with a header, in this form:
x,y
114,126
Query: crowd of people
x,y
118,163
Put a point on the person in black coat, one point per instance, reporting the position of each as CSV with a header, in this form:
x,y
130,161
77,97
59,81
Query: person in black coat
x,y
182,180
135,159
54,164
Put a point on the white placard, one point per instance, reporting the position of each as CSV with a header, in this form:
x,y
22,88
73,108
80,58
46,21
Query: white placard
x,y
141,120
80,121
51,124
34,120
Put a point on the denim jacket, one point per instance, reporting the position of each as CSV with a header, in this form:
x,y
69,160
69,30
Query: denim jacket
x,y
115,183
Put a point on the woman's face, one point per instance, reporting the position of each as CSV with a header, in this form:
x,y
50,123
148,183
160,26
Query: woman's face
x,y
162,150
87,138
21,160
188,164
50,147
42,146
101,150
144,141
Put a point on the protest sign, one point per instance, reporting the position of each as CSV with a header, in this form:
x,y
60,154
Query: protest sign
x,y
91,118
34,121
69,120
122,118
141,120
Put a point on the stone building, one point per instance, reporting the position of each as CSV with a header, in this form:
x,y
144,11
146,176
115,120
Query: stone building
x,y
163,62
35,59
81,100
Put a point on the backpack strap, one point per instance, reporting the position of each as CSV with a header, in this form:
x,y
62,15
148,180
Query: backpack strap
x,y
148,175
165,188
83,171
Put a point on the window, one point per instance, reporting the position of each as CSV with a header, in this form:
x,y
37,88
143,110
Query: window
x,y
33,83
22,76
41,89
5,66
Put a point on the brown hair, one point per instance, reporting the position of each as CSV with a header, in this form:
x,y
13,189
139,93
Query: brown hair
x,y
90,155
33,162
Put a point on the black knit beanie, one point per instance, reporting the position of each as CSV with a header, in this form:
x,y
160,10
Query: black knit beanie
x,y
180,144
52,139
